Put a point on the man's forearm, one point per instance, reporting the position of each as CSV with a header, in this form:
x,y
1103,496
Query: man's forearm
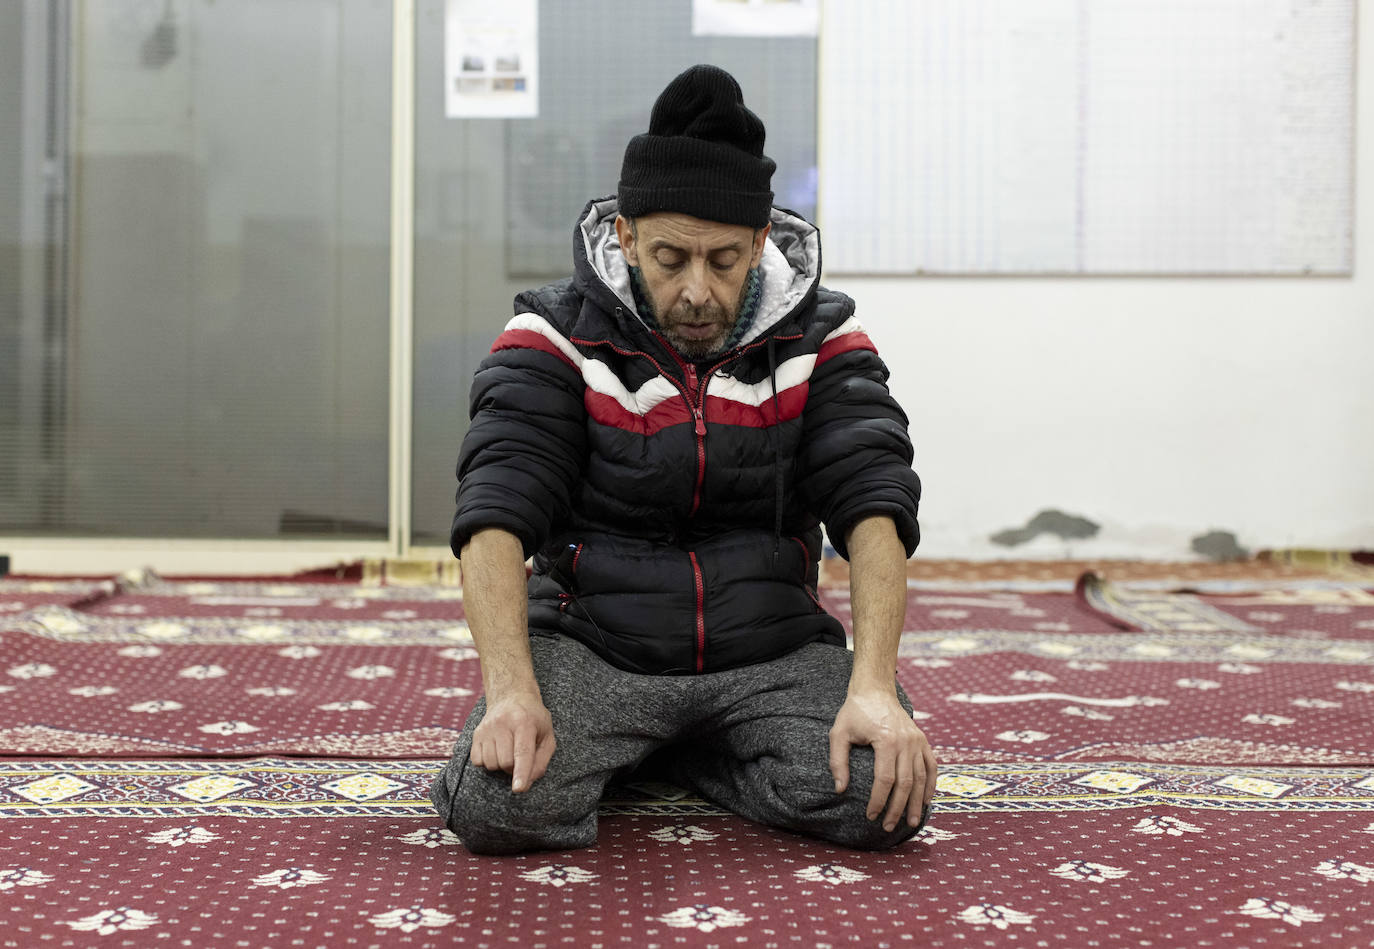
x,y
877,599
494,599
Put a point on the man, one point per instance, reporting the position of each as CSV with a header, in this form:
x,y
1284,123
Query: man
x,y
664,433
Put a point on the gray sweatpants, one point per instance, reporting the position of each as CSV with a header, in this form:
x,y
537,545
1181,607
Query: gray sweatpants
x,y
754,740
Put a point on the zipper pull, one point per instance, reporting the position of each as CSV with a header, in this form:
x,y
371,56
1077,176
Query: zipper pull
x,y
692,378
701,421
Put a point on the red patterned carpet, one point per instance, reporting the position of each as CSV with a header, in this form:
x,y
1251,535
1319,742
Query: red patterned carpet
x,y
1141,761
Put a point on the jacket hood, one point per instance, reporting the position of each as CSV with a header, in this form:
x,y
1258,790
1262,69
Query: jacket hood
x,y
790,269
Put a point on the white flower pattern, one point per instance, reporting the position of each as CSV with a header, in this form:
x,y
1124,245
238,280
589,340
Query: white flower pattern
x,y
92,691
1200,684
203,672
32,670
22,876
410,918
991,914
704,918
458,653
299,652
109,921
1290,913
1084,872
371,672
1346,685
1171,826
431,837
558,875
1025,736
156,705
831,873
682,833
177,836
229,728
1091,714
1345,870
1315,703
289,877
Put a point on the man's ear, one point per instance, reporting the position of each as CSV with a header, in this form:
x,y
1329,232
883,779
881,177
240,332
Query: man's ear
x,y
625,231
760,239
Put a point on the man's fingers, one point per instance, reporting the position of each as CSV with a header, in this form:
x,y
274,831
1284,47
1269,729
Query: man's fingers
x,y
505,751
901,788
839,761
542,754
523,744
486,754
925,786
884,772
932,774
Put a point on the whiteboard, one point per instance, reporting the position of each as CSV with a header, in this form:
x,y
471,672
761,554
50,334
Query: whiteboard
x,y
1087,136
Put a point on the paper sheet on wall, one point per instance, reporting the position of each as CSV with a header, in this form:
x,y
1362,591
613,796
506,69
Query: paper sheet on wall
x,y
755,17
491,59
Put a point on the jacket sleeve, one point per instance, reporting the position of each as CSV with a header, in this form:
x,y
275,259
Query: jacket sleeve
x,y
526,446
855,457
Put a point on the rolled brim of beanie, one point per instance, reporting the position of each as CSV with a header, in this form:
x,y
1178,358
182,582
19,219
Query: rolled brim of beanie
x,y
710,204
708,180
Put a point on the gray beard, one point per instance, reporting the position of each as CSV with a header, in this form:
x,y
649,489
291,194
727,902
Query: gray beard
x,y
696,349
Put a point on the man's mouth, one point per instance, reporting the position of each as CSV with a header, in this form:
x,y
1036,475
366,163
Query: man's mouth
x,y
697,330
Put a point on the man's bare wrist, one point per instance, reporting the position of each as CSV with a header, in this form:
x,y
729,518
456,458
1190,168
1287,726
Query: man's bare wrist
x,y
868,683
512,687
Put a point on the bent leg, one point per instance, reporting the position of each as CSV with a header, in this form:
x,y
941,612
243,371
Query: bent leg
x,y
604,721
767,753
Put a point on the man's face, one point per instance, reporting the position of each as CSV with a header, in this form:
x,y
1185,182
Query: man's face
x,y
695,272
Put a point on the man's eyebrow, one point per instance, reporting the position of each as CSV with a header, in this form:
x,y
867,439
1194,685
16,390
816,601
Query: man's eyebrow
x,y
662,243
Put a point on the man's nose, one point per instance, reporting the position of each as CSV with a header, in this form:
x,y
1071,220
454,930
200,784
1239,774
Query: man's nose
x,y
696,291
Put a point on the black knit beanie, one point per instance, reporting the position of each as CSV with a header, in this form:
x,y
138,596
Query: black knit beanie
x,y
703,154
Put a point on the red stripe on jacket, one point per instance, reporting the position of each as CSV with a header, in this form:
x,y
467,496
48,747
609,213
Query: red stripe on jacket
x,y
719,411
791,402
845,344
529,339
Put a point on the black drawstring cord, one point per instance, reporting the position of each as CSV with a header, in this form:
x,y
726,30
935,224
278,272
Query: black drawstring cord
x,y
777,452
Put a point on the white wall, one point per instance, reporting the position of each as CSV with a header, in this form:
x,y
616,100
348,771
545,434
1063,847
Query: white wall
x,y
1158,408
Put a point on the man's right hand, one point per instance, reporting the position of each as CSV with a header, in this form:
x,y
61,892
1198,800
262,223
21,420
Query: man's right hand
x,y
515,736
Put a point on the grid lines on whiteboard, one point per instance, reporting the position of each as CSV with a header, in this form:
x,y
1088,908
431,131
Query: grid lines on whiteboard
x,y
1088,136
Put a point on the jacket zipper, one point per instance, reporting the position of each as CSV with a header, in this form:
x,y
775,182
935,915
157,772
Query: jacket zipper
x,y
699,416
806,564
701,611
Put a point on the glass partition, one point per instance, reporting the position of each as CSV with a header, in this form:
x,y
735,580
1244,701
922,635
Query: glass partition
x,y
194,248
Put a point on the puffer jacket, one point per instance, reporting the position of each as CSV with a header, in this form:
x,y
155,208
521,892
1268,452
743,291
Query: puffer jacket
x,y
673,509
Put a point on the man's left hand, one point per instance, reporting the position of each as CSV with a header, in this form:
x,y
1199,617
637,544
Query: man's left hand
x,y
904,767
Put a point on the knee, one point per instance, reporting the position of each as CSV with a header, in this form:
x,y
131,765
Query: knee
x,y
839,818
490,819
846,823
